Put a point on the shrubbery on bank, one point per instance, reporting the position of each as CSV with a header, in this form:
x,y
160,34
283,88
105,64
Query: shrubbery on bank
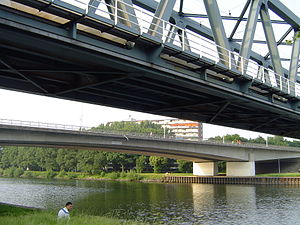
x,y
130,175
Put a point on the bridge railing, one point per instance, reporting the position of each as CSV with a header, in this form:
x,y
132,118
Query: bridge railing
x,y
127,135
187,40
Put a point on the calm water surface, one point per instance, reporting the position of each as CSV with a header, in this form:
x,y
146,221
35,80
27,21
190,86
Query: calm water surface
x,y
161,203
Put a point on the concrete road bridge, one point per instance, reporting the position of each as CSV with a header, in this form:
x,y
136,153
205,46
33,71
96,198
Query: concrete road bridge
x,y
155,57
241,158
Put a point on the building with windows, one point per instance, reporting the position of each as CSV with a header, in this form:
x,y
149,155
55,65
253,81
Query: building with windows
x,y
183,129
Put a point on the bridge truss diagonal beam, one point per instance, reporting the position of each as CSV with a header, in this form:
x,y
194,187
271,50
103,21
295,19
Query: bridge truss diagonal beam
x,y
250,28
162,12
217,28
24,76
280,41
239,19
295,58
271,41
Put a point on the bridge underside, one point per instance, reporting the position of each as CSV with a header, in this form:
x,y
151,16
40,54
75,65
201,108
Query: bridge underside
x,y
91,69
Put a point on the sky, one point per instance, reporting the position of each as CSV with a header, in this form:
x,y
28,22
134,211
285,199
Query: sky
x,y
29,107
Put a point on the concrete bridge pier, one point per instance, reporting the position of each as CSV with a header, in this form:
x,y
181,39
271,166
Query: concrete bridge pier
x,y
243,169
205,168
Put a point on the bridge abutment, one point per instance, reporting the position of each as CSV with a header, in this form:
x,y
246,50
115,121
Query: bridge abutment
x,y
205,169
236,169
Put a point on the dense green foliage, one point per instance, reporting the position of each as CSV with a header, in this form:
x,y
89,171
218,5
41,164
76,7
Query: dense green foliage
x,y
159,164
275,140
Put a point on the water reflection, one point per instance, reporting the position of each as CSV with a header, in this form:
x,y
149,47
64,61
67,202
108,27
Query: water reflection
x,y
161,203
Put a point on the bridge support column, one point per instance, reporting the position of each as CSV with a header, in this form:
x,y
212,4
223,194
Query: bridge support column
x,y
237,169
205,169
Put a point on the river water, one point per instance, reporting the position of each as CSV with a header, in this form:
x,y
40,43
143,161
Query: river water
x,y
161,203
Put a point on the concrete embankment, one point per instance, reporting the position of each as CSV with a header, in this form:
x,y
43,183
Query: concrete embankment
x,y
231,180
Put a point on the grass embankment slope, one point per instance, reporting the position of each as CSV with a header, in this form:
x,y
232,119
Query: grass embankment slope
x,y
15,215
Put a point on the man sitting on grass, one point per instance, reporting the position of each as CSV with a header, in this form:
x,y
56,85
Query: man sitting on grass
x,y
64,213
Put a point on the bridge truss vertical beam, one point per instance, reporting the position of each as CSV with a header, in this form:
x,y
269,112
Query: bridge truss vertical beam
x,y
217,28
162,12
250,28
294,64
271,41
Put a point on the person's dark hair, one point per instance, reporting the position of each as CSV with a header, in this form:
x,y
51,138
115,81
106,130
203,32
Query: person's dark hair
x,y
69,203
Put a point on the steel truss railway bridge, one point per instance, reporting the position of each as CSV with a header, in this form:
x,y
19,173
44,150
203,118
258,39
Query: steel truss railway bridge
x,y
146,56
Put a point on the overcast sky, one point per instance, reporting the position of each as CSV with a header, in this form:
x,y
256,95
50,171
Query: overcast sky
x,y
22,106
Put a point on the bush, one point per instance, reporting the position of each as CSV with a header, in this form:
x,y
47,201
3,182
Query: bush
x,y
62,173
102,174
133,176
113,175
1,171
71,175
9,172
18,172
50,174
123,174
28,174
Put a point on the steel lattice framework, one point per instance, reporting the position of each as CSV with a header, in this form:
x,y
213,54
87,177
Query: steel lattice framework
x,y
144,55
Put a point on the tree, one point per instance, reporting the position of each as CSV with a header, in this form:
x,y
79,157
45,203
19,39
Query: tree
x,y
159,164
67,159
146,127
91,161
185,166
140,163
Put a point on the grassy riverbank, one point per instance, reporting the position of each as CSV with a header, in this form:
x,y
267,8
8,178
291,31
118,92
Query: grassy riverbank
x,y
122,176
279,175
15,215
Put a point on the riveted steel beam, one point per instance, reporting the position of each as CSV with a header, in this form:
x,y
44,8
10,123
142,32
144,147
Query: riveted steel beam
x,y
271,41
280,41
250,28
239,19
218,30
294,61
286,14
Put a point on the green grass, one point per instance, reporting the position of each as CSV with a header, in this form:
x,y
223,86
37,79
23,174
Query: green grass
x,y
279,175
159,176
10,210
12,215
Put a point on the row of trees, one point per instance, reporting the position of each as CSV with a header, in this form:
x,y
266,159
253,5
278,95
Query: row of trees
x,y
275,140
89,161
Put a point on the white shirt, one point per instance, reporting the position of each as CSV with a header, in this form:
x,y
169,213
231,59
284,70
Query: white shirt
x,y
63,214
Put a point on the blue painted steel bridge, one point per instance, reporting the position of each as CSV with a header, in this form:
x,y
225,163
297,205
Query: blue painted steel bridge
x,y
155,57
